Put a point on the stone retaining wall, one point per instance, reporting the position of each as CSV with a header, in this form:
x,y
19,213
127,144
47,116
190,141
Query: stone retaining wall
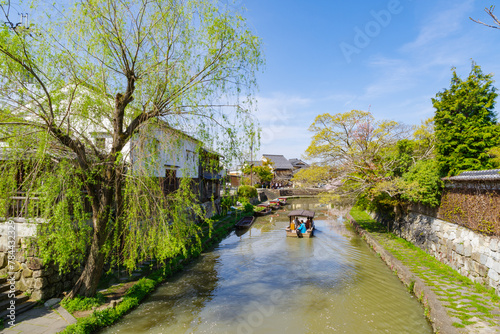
x,y
31,276
473,255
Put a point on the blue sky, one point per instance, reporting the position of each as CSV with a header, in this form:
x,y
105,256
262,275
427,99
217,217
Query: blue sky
x,y
317,61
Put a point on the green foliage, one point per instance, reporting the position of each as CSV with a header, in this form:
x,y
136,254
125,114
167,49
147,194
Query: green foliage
x,y
312,176
423,183
80,303
466,123
247,192
263,173
356,147
226,203
247,207
117,75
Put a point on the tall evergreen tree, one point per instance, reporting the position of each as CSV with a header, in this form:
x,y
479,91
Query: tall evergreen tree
x,y
465,123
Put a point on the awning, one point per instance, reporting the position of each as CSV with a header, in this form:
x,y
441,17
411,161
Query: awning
x,y
302,213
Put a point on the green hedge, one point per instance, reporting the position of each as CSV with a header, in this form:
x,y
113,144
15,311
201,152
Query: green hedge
x,y
247,192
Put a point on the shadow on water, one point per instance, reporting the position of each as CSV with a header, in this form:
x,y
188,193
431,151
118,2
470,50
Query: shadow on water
x,y
263,282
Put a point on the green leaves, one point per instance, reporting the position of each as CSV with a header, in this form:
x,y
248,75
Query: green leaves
x,y
466,123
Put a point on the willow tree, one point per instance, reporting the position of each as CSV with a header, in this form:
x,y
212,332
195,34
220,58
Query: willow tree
x,y
113,68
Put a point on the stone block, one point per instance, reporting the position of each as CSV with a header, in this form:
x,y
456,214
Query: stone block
x,y
36,295
58,288
20,257
41,282
67,285
24,284
51,302
27,272
3,259
34,263
494,244
496,266
490,262
17,275
483,258
468,250
476,256
459,248
493,275
475,243
482,270
54,278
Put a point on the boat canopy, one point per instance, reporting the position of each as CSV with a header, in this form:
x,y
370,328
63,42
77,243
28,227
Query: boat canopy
x,y
302,213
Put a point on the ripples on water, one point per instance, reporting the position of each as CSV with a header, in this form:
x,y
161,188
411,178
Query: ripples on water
x,y
263,282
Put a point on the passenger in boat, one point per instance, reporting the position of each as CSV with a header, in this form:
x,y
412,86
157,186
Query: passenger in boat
x,y
308,223
301,229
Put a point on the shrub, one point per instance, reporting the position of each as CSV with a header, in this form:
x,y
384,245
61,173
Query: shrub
x,y
424,183
247,192
83,303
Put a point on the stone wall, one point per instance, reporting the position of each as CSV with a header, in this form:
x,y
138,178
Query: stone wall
x,y
473,255
39,281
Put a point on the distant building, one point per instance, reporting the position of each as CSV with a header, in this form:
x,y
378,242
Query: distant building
x,y
298,165
281,167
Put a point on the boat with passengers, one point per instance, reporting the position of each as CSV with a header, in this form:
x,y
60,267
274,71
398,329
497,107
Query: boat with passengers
x,y
297,217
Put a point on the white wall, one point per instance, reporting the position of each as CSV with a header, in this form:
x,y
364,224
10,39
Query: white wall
x,y
159,148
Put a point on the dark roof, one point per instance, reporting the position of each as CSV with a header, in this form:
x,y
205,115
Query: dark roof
x,y
279,161
302,213
480,175
297,162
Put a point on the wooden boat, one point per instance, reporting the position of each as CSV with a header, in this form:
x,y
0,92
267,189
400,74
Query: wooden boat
x,y
301,215
282,200
275,204
267,210
245,222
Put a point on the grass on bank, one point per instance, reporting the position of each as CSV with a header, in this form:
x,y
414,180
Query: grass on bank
x,y
463,298
102,318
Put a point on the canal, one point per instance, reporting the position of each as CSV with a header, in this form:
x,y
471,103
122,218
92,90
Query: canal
x,y
260,281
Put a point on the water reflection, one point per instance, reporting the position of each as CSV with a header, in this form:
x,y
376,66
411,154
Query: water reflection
x,y
263,282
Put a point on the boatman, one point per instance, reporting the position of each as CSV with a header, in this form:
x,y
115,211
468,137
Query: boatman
x,y
301,229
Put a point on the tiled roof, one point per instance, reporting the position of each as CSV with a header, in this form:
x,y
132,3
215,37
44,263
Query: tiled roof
x,y
279,161
480,175
298,162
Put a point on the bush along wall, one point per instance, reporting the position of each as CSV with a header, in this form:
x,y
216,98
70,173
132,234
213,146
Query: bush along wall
x,y
475,205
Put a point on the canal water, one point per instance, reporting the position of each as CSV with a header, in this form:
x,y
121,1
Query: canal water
x,y
260,281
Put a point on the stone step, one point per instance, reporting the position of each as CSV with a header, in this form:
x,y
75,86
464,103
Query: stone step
x,y
19,300
20,308
5,295
4,287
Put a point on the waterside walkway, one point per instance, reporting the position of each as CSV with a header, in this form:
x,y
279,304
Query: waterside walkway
x,y
453,302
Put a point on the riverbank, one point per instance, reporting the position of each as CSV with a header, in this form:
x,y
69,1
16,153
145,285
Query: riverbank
x,y
452,302
119,298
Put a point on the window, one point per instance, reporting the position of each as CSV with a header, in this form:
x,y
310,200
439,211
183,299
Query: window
x,y
170,182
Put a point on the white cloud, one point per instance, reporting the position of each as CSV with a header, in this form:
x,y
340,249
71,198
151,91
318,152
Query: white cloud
x,y
442,24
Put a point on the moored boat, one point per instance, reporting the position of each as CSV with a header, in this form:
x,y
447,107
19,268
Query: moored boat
x,y
275,204
282,200
301,216
245,222
263,209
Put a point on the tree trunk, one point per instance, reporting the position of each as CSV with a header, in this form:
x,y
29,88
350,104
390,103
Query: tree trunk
x,y
86,285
